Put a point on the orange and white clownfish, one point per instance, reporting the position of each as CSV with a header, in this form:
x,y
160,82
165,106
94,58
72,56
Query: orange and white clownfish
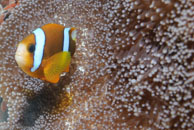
x,y
46,53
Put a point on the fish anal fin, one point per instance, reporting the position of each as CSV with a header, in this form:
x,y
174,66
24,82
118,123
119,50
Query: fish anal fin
x,y
55,65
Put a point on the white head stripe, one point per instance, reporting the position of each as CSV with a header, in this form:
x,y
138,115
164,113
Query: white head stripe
x,y
66,39
39,48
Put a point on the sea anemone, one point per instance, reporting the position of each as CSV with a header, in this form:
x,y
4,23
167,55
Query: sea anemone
x,y
133,67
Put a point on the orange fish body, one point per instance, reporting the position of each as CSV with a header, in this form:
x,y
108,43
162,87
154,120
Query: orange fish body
x,y
46,53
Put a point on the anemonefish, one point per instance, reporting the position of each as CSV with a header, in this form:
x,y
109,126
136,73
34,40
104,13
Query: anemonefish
x,y
46,53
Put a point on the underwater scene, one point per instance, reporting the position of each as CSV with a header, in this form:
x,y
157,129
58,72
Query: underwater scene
x,y
96,64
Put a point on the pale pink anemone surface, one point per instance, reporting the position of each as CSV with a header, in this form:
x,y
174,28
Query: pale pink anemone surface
x,y
133,67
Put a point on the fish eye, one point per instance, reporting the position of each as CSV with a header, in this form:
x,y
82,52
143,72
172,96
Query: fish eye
x,y
31,48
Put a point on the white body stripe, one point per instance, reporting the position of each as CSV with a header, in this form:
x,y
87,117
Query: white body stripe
x,y
66,39
39,48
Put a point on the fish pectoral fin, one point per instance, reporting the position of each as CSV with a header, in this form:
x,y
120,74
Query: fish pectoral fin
x,y
55,65
66,69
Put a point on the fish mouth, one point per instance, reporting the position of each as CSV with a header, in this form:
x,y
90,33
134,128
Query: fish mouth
x,y
19,59
18,54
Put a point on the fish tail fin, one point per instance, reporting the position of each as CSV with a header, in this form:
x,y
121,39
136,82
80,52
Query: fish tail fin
x,y
73,33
